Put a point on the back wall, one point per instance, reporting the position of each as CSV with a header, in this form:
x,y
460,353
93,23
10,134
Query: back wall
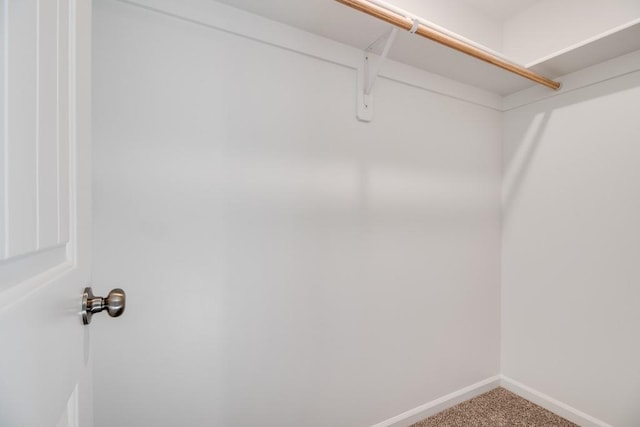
x,y
285,264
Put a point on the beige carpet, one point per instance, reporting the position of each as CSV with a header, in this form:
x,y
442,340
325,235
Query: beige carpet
x,y
496,408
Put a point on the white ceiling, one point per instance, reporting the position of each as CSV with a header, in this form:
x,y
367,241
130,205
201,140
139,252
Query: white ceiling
x,y
501,10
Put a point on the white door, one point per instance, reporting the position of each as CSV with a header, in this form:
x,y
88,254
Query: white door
x,y
44,212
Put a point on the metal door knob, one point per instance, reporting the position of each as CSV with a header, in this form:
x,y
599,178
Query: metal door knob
x,y
114,304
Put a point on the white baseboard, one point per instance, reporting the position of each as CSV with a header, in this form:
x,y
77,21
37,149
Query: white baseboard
x,y
551,404
431,408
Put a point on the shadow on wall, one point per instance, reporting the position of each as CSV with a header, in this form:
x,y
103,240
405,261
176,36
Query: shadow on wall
x,y
522,141
521,157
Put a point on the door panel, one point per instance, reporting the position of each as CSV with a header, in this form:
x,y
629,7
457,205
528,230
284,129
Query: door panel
x,y
20,127
47,115
45,368
36,125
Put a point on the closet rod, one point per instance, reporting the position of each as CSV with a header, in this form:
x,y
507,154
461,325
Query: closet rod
x,y
432,34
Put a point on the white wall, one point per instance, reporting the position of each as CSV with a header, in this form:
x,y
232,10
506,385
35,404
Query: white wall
x,y
285,264
549,26
570,286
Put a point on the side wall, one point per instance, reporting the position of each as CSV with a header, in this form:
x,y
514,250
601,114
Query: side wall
x,y
285,264
571,241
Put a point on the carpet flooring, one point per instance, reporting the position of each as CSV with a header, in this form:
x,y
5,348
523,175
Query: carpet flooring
x,y
496,408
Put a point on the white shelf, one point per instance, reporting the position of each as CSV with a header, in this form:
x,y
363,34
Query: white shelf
x,y
611,44
332,20
335,21
436,58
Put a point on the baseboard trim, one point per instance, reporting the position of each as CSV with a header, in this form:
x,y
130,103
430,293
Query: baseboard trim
x,y
431,408
551,404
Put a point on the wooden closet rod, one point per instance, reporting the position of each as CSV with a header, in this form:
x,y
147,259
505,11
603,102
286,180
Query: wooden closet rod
x,y
437,36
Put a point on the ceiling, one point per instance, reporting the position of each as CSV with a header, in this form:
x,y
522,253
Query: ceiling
x,y
501,10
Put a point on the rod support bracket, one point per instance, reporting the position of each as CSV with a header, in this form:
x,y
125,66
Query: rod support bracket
x,y
368,72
